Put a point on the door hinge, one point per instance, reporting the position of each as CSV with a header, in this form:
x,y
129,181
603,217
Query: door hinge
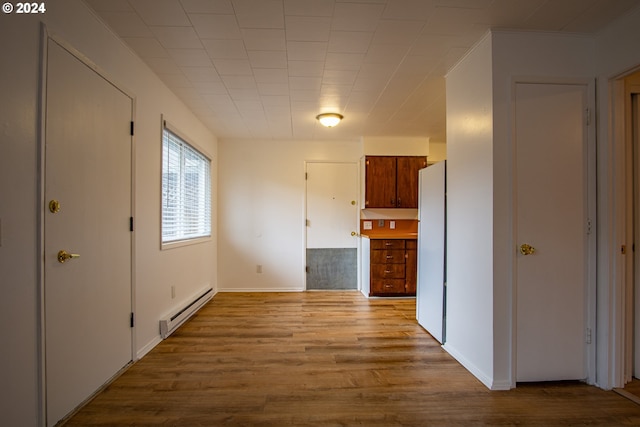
x,y
623,249
306,176
588,116
588,225
307,223
588,336
132,126
306,269
132,320
130,223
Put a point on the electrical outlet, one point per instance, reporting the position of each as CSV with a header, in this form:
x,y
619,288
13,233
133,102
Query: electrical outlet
x,y
367,225
392,225
381,223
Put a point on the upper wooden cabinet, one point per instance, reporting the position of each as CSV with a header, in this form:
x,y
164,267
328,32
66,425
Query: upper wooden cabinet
x,y
392,181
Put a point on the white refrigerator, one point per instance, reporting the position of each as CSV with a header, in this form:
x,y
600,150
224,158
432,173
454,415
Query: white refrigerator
x,y
432,241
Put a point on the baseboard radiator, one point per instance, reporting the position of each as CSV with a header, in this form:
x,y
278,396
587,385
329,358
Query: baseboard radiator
x,y
173,322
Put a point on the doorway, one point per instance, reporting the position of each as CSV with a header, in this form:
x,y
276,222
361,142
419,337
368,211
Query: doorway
x,y
332,216
631,324
87,209
553,231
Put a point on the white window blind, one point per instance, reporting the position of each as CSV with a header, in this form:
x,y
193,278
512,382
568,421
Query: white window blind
x,y
186,190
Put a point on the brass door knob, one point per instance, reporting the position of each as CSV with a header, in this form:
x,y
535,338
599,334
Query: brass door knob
x,y
64,256
353,233
526,249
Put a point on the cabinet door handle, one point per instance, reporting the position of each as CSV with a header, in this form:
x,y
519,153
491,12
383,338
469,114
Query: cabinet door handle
x,y
392,202
389,256
399,201
387,271
388,286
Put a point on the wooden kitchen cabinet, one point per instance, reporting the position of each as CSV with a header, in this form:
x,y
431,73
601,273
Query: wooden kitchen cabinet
x,y
393,267
392,181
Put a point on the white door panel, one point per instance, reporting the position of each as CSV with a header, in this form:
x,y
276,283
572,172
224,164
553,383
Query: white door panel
x,y
88,171
551,216
332,210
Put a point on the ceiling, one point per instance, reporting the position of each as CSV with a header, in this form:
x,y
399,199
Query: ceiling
x,y
264,69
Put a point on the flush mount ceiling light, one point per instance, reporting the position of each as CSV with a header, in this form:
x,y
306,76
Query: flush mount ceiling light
x,y
329,119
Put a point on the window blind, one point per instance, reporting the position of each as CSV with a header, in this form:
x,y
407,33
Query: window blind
x,y
186,190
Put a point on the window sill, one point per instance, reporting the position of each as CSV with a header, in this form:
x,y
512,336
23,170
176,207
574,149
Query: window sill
x,y
183,243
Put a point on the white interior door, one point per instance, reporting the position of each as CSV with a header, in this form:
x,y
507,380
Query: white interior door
x,y
431,250
332,221
88,172
551,217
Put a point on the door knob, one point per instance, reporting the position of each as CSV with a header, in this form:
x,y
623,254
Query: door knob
x,y
64,256
526,249
353,233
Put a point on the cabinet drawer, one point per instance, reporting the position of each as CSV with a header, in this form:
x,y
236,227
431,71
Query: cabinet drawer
x,y
387,257
387,244
387,271
391,286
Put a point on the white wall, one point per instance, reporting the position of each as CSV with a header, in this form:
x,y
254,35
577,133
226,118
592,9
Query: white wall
x,y
516,56
261,208
616,55
187,268
480,194
469,326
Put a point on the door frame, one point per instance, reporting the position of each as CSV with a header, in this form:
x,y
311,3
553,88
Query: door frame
x,y
591,210
45,36
619,309
305,217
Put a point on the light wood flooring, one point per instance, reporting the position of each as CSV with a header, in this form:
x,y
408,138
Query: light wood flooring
x,y
326,359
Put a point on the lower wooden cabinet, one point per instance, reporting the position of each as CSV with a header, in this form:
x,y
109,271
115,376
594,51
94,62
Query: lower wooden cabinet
x,y
393,267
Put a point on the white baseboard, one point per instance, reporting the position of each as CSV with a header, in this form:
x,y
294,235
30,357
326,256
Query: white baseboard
x,y
485,379
148,347
260,290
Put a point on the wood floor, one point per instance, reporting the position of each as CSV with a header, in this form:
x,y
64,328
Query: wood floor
x,y
326,359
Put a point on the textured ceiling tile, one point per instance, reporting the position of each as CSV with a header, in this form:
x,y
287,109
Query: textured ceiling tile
x,y
264,39
216,26
190,57
208,6
201,74
177,37
233,67
268,59
306,68
308,7
306,51
239,82
356,17
126,24
397,32
110,6
225,49
161,12
259,13
408,9
210,88
349,41
311,84
271,75
344,61
308,29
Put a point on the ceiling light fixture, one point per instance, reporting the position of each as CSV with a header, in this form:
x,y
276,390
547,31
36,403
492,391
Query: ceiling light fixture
x,y
329,119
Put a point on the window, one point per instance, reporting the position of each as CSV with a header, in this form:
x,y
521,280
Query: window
x,y
186,190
